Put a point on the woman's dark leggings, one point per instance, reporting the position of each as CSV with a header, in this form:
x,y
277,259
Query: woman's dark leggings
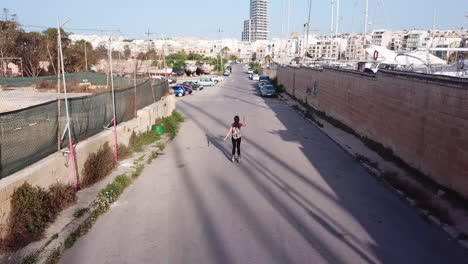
x,y
236,144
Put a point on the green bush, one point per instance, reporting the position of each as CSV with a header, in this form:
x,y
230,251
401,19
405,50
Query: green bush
x,y
98,165
70,241
124,151
171,123
32,208
59,197
28,217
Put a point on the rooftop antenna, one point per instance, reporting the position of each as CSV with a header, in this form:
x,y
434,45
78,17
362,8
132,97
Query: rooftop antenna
x,y
308,30
148,33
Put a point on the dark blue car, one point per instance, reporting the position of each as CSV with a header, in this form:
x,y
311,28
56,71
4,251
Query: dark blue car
x,y
178,90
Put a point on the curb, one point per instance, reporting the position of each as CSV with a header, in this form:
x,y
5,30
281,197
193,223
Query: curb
x,y
453,232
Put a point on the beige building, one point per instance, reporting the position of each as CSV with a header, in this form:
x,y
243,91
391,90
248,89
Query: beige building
x,y
324,49
355,48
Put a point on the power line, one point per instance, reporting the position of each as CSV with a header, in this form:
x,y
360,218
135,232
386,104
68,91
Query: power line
x,y
76,29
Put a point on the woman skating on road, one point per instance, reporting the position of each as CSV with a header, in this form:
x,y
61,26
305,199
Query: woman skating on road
x,y
235,131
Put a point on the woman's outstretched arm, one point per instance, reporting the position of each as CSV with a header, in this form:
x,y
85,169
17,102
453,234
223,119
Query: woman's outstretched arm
x,y
228,133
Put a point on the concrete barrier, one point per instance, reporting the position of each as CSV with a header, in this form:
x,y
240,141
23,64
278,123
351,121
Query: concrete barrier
x,y
55,167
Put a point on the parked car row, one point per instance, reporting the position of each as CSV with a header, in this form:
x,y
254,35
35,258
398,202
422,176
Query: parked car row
x,y
266,88
188,87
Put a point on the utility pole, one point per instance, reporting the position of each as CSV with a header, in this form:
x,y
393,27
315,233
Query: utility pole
x,y
282,18
366,19
164,52
332,16
114,119
337,17
58,92
288,15
68,127
220,31
86,56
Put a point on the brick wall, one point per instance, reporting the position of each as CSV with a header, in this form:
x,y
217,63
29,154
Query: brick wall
x,y
422,118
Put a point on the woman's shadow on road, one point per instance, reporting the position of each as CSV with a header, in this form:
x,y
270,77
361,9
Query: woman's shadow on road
x,y
217,142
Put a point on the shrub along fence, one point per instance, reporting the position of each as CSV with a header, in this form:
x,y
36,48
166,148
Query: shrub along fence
x,y
30,134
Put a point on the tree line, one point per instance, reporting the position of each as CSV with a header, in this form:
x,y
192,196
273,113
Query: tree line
x,y
32,48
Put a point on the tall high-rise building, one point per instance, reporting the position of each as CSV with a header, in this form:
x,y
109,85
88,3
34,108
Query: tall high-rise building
x,y
256,28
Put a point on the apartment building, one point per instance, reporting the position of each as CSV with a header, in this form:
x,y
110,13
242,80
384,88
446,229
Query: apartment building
x,y
257,27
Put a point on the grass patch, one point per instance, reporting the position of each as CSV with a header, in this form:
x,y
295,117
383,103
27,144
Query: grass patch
x,y
124,151
109,194
138,142
31,259
138,170
161,146
70,241
54,257
98,165
32,209
171,123
152,156
52,238
80,212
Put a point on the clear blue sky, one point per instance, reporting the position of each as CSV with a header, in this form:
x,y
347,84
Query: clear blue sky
x,y
204,17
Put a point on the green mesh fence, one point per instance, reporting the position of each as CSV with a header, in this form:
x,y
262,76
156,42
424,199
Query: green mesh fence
x,y
30,134
80,77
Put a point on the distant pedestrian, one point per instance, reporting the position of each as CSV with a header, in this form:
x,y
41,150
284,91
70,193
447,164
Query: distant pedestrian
x,y
235,131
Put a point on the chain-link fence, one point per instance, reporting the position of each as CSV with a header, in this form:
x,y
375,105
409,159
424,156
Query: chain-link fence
x,y
30,134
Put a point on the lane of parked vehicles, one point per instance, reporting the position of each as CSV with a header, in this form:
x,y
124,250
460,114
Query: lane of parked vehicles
x,y
187,87
266,88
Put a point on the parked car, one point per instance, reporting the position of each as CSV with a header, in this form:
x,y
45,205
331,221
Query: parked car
x,y
188,89
267,90
262,83
216,78
206,81
226,73
171,80
255,77
194,85
249,71
178,90
264,78
178,71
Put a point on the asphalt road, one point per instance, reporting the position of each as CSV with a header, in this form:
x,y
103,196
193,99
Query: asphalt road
x,y
296,197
